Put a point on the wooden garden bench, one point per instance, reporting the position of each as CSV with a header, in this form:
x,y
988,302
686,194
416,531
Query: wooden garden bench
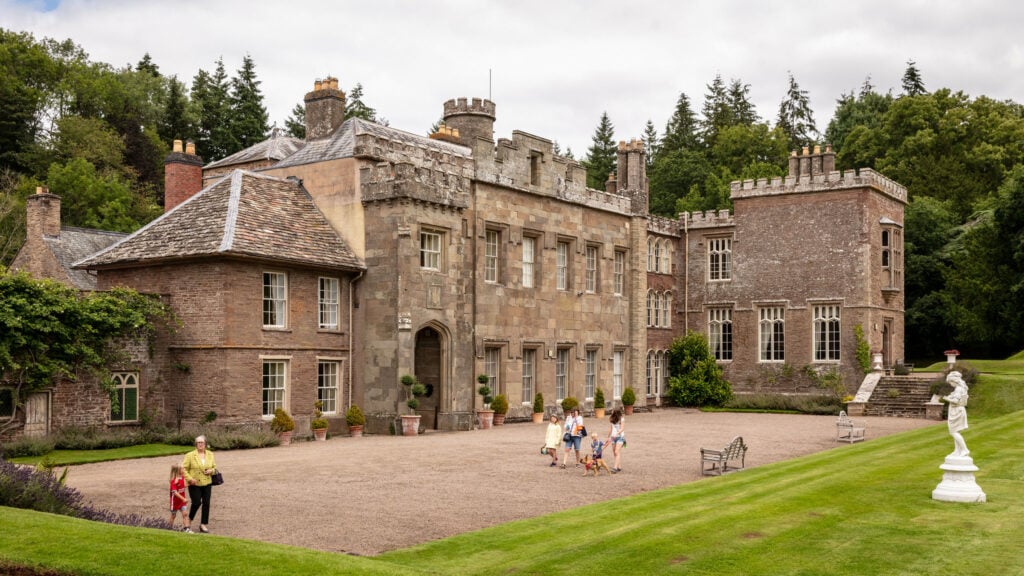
x,y
847,431
719,459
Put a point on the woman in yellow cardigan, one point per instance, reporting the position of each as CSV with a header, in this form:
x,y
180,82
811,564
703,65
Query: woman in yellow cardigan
x,y
198,466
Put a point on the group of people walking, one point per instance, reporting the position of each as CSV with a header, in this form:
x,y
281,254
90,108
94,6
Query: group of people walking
x,y
570,436
195,472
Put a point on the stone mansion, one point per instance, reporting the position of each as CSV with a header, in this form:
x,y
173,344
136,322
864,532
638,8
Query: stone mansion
x,y
326,269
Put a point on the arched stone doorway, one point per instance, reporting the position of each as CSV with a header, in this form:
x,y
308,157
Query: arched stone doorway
x,y
429,370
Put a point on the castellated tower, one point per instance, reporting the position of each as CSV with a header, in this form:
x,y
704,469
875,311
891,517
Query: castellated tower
x,y
473,119
325,109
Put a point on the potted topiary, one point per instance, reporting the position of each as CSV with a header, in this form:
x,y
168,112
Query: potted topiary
x,y
568,404
485,415
628,399
283,426
319,423
538,408
414,389
355,420
598,403
500,406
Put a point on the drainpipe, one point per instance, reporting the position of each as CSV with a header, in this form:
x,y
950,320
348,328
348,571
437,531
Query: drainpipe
x,y
351,353
686,273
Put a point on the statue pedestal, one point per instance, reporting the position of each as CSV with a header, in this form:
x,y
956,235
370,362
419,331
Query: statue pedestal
x,y
958,483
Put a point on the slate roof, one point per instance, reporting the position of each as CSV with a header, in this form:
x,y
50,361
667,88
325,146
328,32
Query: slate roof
x,y
73,244
277,147
245,215
342,142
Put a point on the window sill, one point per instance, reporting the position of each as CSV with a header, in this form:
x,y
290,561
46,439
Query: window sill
x,y
276,329
122,422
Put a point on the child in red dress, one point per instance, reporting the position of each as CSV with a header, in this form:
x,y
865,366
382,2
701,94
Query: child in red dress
x,y
178,500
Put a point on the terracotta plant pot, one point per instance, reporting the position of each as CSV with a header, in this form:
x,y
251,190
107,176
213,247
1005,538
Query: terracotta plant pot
x,y
355,431
410,424
320,434
538,417
285,438
499,419
598,412
485,418
628,410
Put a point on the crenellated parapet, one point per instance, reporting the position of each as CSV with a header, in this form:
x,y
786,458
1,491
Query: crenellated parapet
x,y
707,219
409,169
820,182
476,106
663,226
528,163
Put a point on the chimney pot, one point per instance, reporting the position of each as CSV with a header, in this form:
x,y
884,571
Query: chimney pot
x,y
806,151
317,85
817,149
177,146
190,147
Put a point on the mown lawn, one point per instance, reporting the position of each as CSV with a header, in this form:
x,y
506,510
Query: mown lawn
x,y
69,457
857,510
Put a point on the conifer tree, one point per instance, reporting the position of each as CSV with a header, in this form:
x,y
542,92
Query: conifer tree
x,y
211,110
913,84
651,142
601,156
248,120
796,118
175,122
681,129
147,65
717,112
743,111
296,123
356,108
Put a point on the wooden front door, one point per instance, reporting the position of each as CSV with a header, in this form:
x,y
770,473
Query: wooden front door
x,y
37,414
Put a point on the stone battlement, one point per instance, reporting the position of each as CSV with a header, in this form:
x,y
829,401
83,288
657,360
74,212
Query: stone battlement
x,y
662,225
476,106
707,219
825,182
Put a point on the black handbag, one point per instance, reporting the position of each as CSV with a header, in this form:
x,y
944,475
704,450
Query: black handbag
x,y
217,478
567,437
583,431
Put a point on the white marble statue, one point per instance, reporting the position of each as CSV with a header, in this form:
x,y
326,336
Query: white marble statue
x,y
957,400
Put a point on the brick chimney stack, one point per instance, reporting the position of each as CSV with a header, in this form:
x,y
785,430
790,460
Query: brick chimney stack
x,y
183,175
42,214
325,109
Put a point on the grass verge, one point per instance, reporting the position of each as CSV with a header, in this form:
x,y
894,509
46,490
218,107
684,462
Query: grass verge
x,y
854,510
71,457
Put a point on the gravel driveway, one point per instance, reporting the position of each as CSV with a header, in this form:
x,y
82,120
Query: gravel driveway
x,y
378,493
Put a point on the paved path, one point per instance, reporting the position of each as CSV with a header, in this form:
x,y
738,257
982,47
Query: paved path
x,y
377,493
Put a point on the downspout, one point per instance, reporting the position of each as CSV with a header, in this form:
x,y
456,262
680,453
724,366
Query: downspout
x,y
351,353
686,273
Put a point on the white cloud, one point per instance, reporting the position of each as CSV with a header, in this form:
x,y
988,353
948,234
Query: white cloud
x,y
556,65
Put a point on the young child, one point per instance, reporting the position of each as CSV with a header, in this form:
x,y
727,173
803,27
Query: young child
x,y
552,437
178,500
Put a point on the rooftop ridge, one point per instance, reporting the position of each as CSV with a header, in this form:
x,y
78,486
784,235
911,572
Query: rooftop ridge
x,y
835,180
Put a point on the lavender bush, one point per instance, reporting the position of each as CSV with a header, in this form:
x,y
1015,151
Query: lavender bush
x,y
25,487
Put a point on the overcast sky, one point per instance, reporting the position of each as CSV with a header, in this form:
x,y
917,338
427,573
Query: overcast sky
x,y
552,67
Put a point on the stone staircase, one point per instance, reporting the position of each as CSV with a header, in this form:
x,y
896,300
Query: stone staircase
x,y
900,396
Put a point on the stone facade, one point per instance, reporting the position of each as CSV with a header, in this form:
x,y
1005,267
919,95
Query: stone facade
x,y
482,255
